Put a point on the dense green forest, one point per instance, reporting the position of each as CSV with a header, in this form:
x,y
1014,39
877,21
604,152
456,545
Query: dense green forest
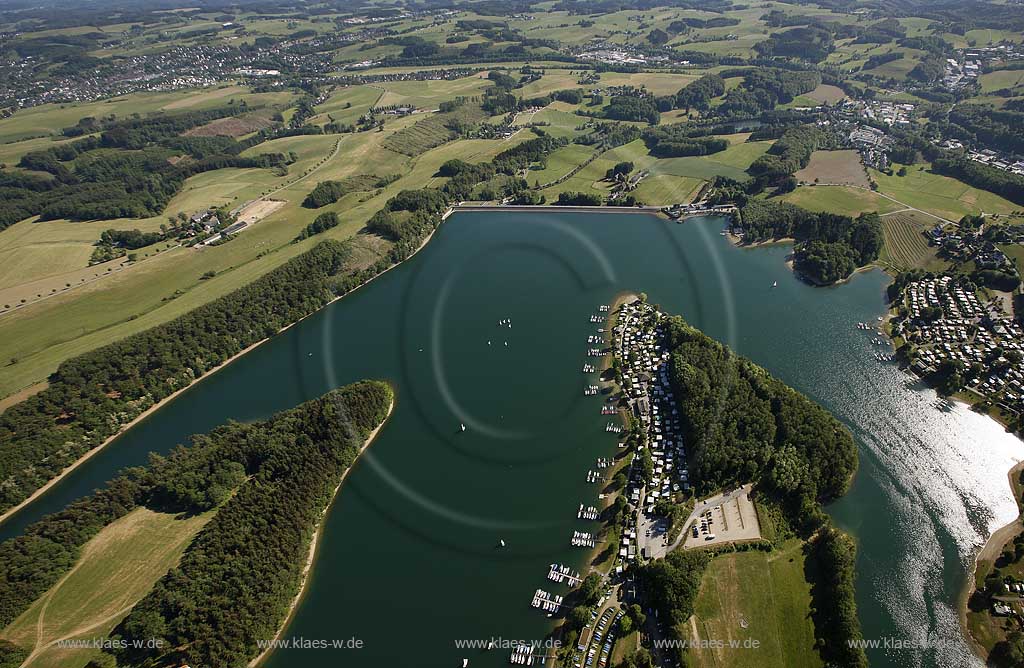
x,y
829,246
681,139
742,425
90,396
321,223
271,479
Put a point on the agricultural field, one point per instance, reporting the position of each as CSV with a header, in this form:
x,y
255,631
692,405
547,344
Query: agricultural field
x,y
116,569
845,200
432,130
835,167
42,334
905,246
429,94
755,595
992,81
940,195
665,189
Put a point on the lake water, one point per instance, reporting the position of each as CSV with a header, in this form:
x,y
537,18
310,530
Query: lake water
x,y
408,563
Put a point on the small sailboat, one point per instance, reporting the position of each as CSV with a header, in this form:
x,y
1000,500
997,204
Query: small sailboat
x,y
775,284
462,427
465,662
501,542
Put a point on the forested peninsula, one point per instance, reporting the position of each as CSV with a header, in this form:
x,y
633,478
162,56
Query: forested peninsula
x,y
742,425
269,484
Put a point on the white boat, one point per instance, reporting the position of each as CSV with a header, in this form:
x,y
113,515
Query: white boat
x,y
462,427
775,284
501,542
465,662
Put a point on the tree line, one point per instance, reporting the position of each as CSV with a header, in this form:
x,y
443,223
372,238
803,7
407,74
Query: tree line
x,y
244,569
285,467
90,396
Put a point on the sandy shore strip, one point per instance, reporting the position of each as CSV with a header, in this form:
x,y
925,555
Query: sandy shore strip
x,y
314,543
7,514
988,553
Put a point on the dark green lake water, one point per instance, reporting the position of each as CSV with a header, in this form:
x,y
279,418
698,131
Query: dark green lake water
x,y
408,562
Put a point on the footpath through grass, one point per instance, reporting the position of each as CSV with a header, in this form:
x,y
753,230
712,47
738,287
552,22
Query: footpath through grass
x,y
755,596
117,568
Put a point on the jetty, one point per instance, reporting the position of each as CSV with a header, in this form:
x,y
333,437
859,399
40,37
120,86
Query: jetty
x,y
546,601
563,574
583,539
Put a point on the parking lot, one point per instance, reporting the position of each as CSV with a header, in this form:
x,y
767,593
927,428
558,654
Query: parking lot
x,y
724,518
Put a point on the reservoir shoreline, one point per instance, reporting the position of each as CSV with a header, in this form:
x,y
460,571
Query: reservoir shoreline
x,y
314,544
39,493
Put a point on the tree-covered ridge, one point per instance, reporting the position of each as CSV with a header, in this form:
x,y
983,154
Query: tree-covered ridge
x,y
742,425
829,246
90,396
237,580
302,451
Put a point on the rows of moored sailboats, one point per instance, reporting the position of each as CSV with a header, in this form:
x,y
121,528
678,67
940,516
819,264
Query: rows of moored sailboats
x,y
560,573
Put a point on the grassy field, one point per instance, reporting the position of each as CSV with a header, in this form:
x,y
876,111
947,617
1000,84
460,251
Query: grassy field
x,y
429,94
663,189
757,596
732,162
561,162
42,334
940,195
843,167
840,199
906,247
1001,79
361,98
117,568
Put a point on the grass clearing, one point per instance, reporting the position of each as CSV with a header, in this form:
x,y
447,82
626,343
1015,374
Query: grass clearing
x,y
844,200
732,162
769,593
940,195
116,569
664,189
842,167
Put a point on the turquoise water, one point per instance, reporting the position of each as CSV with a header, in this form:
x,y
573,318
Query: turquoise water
x,y
408,563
